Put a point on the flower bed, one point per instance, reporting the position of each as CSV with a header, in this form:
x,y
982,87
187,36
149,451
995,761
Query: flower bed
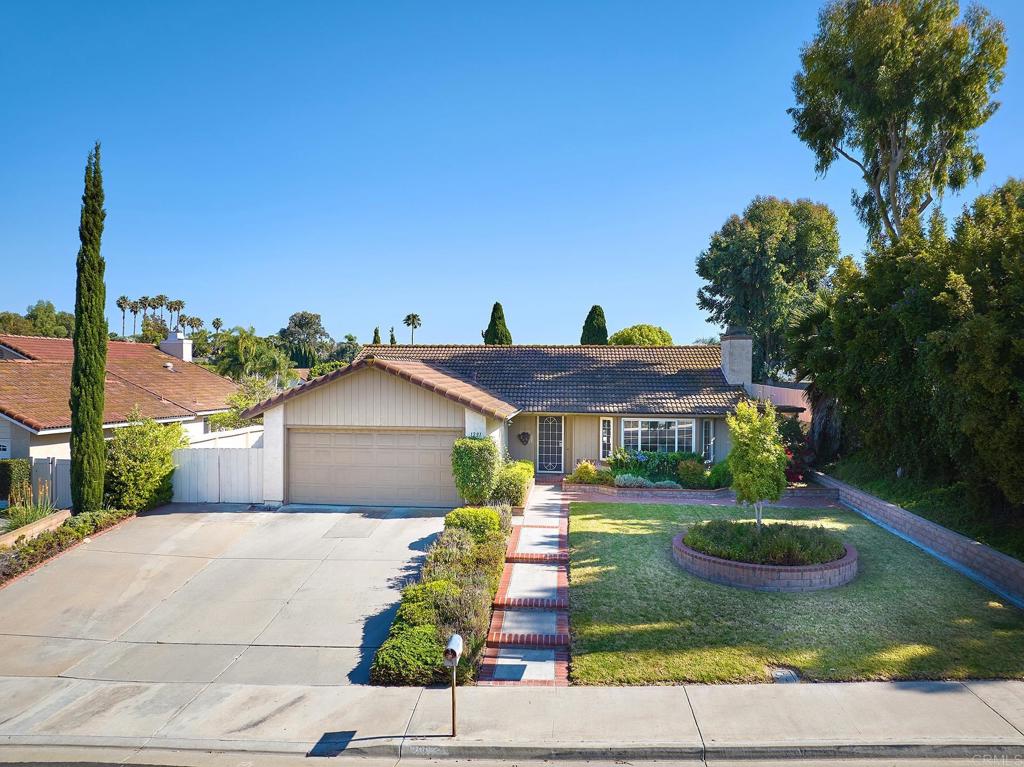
x,y
764,577
454,594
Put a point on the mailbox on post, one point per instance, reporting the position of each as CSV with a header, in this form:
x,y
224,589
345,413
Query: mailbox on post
x,y
452,653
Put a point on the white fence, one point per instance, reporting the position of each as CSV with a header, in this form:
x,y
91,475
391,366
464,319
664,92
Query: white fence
x,y
249,436
218,475
57,472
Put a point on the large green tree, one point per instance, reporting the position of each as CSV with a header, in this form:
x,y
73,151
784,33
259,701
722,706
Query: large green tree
x,y
899,89
306,339
497,333
595,329
641,335
762,264
89,369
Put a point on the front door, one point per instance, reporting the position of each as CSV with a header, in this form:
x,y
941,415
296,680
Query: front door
x,y
549,444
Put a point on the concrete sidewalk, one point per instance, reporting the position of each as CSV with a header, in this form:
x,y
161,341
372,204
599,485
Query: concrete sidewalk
x,y
930,720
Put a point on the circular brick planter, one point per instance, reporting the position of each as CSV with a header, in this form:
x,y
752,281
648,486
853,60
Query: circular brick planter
x,y
794,578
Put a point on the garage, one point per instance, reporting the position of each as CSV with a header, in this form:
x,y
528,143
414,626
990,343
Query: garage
x,y
409,467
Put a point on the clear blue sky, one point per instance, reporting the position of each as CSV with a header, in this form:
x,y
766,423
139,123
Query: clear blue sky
x,y
367,160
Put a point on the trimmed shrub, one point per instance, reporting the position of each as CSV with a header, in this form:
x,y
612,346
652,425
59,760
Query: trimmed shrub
x,y
475,464
692,474
140,463
28,553
773,544
420,600
513,483
505,515
668,484
654,466
14,472
632,480
411,655
480,522
585,473
720,476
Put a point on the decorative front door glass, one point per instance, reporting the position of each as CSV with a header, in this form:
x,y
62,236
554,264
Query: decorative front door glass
x,y
549,443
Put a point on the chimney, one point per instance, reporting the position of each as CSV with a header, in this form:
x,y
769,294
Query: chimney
x,y
738,356
177,346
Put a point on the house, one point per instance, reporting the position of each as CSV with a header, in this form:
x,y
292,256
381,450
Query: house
x,y
380,431
35,385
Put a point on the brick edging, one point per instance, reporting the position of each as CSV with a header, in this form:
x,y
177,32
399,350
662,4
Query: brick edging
x,y
747,575
993,569
668,495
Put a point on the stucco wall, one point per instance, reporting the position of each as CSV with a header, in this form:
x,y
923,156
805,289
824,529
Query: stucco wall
x,y
17,438
372,398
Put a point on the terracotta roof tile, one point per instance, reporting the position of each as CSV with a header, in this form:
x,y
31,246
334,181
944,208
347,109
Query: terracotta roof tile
x,y
36,394
186,384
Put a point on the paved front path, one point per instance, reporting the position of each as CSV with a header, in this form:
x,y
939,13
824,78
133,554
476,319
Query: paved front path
x,y
194,594
528,642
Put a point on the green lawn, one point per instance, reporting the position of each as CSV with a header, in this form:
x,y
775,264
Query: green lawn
x,y
637,618
943,504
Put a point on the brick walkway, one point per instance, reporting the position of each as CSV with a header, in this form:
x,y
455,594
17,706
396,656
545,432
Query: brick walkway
x,y
528,641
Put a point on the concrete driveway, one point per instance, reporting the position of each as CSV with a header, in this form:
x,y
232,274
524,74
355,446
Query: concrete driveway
x,y
203,593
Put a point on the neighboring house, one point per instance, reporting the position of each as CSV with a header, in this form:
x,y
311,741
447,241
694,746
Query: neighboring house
x,y
35,385
380,431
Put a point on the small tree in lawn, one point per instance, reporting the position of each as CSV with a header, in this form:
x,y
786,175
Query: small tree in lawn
x,y
757,459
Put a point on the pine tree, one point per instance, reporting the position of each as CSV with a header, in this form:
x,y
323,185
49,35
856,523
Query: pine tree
x,y
497,332
393,341
376,335
89,370
595,329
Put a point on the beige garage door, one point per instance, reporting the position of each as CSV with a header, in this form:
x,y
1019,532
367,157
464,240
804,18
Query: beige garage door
x,y
374,467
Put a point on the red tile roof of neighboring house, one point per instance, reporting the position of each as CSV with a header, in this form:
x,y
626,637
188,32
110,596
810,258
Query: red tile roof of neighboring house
x,y
501,380
36,394
443,382
134,371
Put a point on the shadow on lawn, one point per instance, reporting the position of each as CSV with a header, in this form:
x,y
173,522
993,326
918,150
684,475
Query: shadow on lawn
x,y
906,616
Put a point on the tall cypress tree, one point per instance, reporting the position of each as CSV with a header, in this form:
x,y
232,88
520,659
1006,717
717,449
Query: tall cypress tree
x,y
497,332
376,335
89,370
392,341
595,329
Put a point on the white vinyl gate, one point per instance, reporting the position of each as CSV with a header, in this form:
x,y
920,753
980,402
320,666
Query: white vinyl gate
x,y
57,473
218,475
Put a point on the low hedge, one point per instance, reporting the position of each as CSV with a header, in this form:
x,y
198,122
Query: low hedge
x,y
773,544
454,594
29,553
513,483
651,465
13,472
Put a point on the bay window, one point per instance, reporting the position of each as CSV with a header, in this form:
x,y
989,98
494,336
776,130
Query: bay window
x,y
657,435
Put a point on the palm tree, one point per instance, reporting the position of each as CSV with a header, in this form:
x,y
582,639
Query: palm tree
x,y
154,305
135,307
174,306
247,354
194,323
412,321
144,303
122,303
217,323
159,302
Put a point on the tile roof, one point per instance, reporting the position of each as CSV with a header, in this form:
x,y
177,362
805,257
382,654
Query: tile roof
x,y
499,380
188,387
587,379
36,394
432,377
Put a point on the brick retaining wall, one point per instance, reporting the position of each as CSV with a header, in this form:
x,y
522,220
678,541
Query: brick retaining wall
x,y
794,496
794,578
1005,572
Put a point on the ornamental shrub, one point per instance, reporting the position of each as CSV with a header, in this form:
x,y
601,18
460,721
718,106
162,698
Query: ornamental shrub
x,y
140,463
774,544
513,483
480,522
631,480
719,476
585,473
420,600
13,473
411,655
692,473
668,484
475,465
654,466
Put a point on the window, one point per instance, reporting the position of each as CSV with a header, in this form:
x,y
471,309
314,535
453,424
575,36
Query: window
x,y
708,439
657,436
606,439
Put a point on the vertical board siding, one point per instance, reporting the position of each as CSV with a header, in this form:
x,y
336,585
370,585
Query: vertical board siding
x,y
218,475
57,472
586,441
373,398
